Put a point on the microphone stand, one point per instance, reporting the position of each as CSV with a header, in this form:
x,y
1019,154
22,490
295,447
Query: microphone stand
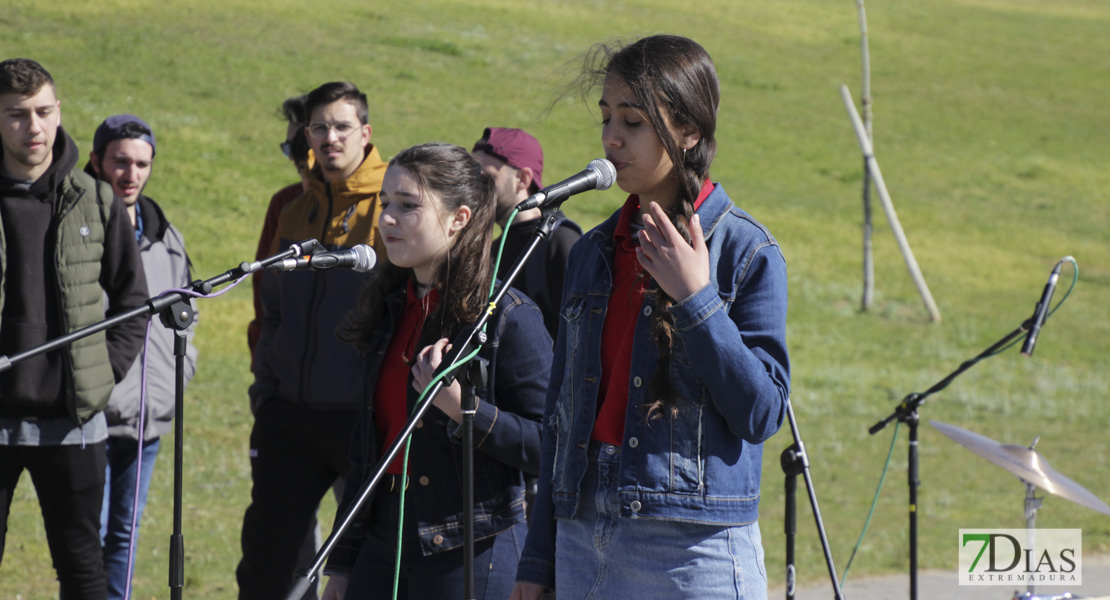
x,y
795,461
461,346
473,377
176,312
906,412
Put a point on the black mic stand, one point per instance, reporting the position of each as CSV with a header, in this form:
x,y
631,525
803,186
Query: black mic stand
x,y
795,461
906,412
461,346
473,377
176,312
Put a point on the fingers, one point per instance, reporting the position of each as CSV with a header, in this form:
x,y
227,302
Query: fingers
x,y
661,222
427,361
678,267
696,235
659,235
662,232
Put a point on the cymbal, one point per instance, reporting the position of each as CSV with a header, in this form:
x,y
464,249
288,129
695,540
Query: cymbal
x,y
1026,463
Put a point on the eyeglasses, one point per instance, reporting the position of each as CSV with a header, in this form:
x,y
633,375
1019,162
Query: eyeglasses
x,y
320,130
286,149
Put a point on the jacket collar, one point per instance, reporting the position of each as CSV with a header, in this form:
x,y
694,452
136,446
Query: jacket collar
x,y
366,179
155,224
716,205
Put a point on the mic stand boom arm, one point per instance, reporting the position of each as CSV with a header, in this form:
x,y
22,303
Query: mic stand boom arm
x,y
461,346
175,312
157,304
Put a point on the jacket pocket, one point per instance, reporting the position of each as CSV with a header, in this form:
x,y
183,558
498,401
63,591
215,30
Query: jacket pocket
x,y
573,323
687,428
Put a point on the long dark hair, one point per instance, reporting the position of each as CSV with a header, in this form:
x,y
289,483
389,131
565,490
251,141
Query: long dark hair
x,y
673,78
463,276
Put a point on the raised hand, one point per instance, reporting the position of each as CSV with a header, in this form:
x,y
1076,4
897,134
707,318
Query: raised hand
x,y
679,268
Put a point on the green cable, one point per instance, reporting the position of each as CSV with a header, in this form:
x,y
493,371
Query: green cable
x,y
874,502
405,467
421,399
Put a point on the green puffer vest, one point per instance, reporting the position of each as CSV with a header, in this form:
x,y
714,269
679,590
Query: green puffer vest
x,y
82,209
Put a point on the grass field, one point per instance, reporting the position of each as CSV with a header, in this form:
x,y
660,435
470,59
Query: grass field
x,y
991,128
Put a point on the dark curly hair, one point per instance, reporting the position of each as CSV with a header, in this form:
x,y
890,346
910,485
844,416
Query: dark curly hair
x,y
463,275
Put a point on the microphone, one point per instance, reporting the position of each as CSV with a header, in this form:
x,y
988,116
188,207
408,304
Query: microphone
x,y
598,175
1040,313
360,258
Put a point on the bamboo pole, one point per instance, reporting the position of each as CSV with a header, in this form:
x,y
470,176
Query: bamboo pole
x,y
888,205
865,98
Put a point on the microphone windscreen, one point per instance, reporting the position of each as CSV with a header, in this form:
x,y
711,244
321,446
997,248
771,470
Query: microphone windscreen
x,y
365,258
606,172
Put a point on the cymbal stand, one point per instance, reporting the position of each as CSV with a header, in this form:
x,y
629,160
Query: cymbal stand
x,y
1032,504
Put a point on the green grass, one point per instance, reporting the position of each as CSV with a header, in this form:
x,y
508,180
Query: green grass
x,y
991,129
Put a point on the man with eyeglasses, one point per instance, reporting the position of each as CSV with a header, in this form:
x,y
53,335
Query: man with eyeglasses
x,y
307,383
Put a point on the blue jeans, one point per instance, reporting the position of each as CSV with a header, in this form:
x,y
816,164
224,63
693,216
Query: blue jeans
x,y
601,555
119,501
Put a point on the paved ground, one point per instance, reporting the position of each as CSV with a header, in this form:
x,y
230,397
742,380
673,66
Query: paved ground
x,y
942,585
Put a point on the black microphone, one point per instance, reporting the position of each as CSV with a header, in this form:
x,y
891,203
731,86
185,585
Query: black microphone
x,y
598,175
1040,313
360,258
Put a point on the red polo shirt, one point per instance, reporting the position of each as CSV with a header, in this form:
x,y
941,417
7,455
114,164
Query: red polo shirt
x,y
625,300
392,390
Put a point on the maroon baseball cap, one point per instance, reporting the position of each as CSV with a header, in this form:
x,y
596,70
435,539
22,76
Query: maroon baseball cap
x,y
516,147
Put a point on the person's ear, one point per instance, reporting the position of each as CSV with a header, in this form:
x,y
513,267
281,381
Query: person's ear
x,y
461,219
524,178
689,137
94,160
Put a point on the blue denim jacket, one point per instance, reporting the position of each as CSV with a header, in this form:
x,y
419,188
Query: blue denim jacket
x,y
729,365
506,434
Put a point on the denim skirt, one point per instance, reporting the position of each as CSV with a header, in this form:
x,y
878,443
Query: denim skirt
x,y
599,554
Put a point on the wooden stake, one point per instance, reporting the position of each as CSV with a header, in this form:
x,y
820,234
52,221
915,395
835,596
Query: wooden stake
x,y
888,205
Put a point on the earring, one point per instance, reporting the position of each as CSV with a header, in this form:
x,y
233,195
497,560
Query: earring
x,y
684,156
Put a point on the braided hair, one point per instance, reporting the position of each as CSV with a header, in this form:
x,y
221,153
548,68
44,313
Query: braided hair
x,y
674,79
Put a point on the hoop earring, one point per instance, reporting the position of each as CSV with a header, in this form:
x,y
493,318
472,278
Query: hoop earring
x,y
684,156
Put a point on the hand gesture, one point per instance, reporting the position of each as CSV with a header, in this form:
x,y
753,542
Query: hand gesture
x,y
679,268
449,399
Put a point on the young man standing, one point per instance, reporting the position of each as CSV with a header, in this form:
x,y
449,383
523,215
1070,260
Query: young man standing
x,y
515,161
308,385
123,156
51,422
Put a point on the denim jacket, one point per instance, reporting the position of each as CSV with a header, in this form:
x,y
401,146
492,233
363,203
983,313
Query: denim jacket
x,y
506,434
729,366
